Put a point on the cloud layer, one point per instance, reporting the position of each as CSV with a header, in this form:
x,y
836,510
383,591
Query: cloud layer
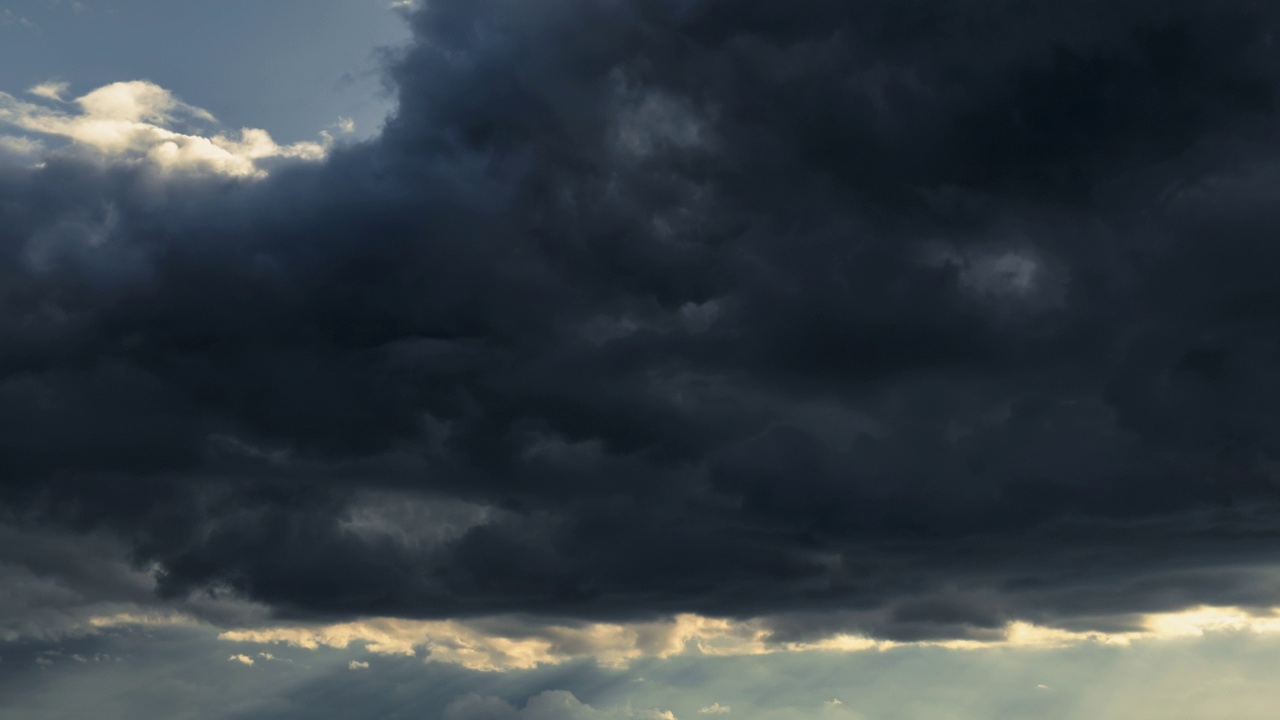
x,y
885,318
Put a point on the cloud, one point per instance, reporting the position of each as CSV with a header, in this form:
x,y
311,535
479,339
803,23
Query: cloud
x,y
129,121
9,18
20,145
358,665
512,643
242,659
52,90
654,120
715,709
550,705
163,668
58,586
841,325
61,587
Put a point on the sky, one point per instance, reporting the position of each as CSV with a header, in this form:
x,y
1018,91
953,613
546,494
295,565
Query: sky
x,y
639,359
293,66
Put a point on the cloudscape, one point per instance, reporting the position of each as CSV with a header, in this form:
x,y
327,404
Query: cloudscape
x,y
660,359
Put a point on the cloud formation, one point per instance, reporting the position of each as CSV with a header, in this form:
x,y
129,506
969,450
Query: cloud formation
x,y
130,122
884,320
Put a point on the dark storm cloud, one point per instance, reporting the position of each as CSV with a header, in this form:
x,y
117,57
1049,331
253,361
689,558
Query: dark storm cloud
x,y
921,316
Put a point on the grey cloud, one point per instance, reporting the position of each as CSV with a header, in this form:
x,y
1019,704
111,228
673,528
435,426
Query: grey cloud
x,y
928,318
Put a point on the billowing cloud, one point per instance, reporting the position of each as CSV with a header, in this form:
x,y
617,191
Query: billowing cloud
x,y
131,121
843,324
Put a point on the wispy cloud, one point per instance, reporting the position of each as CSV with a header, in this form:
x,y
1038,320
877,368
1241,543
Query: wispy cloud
x,y
20,145
51,90
10,18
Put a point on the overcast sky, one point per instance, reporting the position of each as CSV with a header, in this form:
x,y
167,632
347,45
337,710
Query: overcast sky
x,y
603,359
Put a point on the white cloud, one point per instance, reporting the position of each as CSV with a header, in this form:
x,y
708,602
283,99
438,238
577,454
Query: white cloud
x,y
50,90
715,709
132,122
358,665
138,101
833,702
242,659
